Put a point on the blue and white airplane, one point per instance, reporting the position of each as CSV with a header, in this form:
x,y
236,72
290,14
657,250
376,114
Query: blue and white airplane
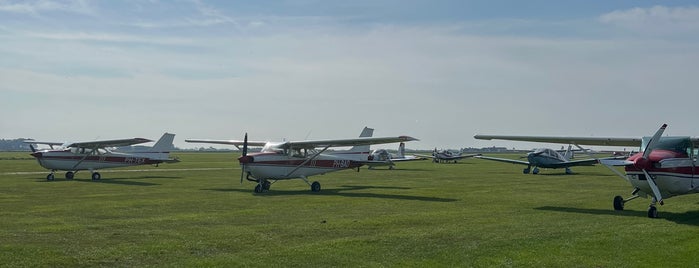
x,y
545,158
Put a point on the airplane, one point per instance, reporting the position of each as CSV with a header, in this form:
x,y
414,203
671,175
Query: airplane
x,y
298,159
545,158
381,157
664,167
444,156
93,155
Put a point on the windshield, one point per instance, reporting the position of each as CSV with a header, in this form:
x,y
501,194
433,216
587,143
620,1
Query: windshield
x,y
675,144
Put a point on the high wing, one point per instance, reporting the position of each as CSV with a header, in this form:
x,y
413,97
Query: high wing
x,y
602,141
506,160
44,142
108,143
311,144
235,143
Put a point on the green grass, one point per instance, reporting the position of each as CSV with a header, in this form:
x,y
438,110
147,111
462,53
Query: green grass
x,y
475,213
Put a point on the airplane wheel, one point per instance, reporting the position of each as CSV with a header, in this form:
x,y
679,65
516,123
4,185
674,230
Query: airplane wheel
x,y
526,170
96,176
315,186
259,188
535,171
652,212
70,175
618,203
49,177
266,185
568,171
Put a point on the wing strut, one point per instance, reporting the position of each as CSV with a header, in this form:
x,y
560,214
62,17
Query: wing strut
x,y
307,160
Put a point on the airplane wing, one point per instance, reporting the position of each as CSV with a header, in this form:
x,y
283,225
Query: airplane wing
x,y
506,160
311,144
236,143
408,158
44,142
583,162
448,157
108,143
602,141
457,157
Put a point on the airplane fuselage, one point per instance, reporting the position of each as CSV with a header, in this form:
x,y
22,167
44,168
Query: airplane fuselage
x,y
274,166
674,173
545,160
72,161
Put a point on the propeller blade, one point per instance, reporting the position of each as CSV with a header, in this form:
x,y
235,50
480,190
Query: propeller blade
x,y
245,153
245,145
654,141
654,187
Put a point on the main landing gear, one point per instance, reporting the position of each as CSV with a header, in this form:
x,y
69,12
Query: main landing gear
x,y
263,185
71,174
533,171
620,201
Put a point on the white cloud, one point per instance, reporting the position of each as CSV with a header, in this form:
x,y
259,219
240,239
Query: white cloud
x,y
39,6
655,20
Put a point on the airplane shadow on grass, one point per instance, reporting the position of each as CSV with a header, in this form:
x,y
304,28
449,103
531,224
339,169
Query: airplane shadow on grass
x,y
345,191
121,181
688,218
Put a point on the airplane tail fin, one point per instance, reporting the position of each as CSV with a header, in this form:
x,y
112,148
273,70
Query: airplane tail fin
x,y
161,149
401,150
569,153
366,133
361,152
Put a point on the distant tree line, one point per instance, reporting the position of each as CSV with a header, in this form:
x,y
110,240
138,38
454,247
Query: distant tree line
x,y
14,145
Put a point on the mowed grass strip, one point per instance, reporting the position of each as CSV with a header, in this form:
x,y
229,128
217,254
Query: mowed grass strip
x,y
474,213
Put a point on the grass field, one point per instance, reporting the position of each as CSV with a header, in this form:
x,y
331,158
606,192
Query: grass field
x,y
472,214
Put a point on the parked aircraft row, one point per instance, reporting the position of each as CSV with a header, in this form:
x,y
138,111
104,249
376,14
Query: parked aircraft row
x,y
664,167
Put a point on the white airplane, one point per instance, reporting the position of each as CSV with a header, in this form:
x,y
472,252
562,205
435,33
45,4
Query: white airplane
x,y
381,157
93,155
664,167
444,156
298,159
545,158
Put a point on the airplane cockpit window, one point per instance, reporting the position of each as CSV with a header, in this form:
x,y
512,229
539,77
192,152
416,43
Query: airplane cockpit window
x,y
298,153
675,144
273,148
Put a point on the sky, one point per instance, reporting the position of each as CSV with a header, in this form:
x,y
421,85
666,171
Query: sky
x,y
440,71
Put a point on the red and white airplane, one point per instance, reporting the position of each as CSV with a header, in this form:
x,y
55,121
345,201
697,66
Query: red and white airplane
x,y
664,167
93,155
300,159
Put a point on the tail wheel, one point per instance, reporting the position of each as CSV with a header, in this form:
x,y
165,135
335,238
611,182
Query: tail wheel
x,y
49,177
96,176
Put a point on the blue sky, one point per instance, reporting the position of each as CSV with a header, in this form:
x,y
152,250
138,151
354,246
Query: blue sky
x,y
441,71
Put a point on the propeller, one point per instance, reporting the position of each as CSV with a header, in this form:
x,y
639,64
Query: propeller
x,y
245,153
643,162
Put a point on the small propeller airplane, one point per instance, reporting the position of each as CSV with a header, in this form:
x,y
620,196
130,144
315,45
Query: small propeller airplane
x,y
381,157
664,167
93,155
545,158
444,156
298,159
